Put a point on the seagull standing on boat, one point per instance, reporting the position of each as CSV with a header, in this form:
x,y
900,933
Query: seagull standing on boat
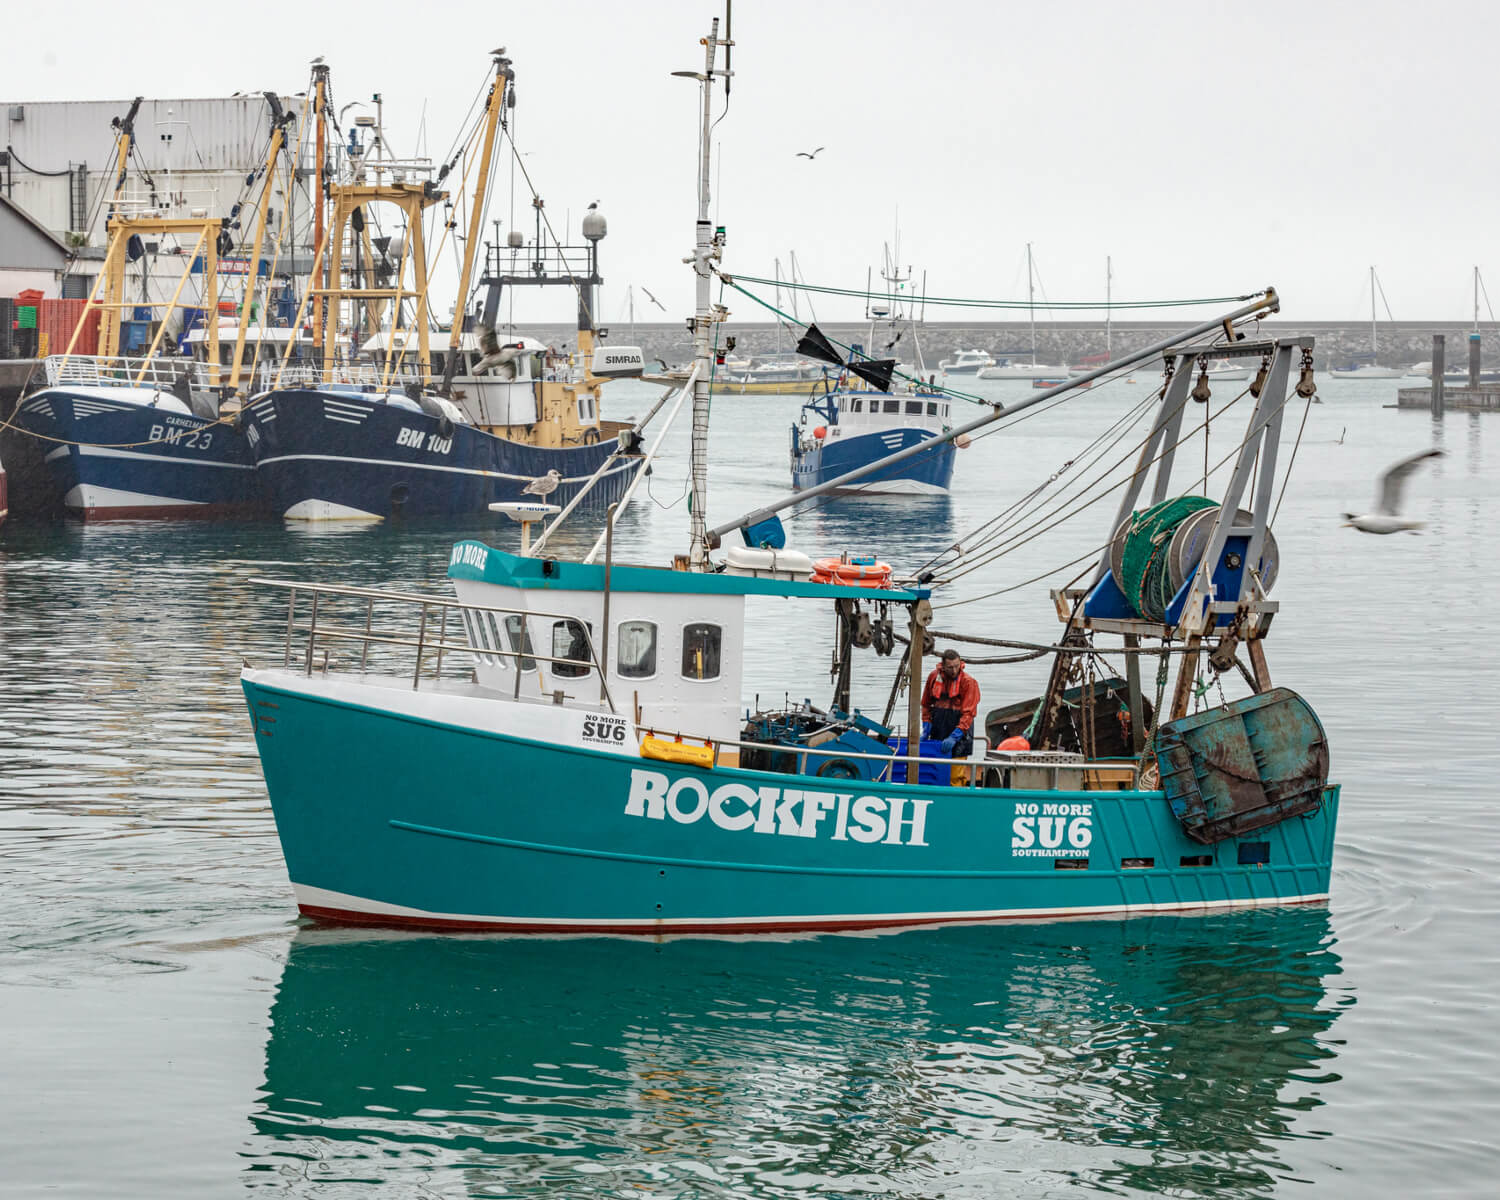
x,y
1387,516
543,485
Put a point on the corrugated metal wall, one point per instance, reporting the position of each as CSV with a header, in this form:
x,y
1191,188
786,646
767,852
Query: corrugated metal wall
x,y
199,150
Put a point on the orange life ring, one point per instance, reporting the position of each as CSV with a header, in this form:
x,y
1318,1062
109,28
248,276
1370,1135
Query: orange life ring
x,y
836,570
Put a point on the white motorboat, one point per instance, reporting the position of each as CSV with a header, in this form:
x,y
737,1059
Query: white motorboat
x,y
966,362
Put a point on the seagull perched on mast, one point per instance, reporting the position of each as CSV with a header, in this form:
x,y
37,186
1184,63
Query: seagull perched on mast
x,y
814,154
1387,516
543,485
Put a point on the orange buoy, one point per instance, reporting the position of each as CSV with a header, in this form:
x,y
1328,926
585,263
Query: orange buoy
x,y
963,441
1014,743
837,570
820,432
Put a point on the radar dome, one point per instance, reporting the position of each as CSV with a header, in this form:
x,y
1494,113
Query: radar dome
x,y
594,224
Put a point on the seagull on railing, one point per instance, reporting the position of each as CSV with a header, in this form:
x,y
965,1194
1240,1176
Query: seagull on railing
x,y
543,485
1387,516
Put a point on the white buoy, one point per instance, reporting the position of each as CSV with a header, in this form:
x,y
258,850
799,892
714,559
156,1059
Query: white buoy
x,y
527,512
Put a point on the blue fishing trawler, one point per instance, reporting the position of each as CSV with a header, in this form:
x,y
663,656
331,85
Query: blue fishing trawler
x,y
562,748
148,436
400,428
846,427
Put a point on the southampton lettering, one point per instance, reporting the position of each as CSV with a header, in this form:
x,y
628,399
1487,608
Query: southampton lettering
x,y
1051,830
781,812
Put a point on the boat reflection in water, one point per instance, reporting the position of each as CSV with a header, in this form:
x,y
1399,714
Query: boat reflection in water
x,y
1154,1054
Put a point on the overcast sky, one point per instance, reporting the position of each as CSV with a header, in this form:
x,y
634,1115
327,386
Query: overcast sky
x,y
1208,148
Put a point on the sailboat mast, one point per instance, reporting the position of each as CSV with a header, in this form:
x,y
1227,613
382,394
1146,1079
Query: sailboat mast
x,y
1373,346
1031,301
707,248
1476,299
1109,312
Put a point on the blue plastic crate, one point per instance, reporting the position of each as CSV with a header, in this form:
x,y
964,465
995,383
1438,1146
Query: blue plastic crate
x,y
932,774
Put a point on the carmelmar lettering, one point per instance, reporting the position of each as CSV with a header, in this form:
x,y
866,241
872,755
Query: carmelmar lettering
x,y
784,812
1051,830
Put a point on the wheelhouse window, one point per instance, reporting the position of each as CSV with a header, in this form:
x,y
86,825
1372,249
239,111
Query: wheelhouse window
x,y
495,639
636,652
520,641
945,412
474,624
932,408
914,408
570,640
587,414
857,405
701,645
891,406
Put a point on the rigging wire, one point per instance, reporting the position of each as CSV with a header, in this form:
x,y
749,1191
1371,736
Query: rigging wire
x,y
1254,430
1037,527
958,302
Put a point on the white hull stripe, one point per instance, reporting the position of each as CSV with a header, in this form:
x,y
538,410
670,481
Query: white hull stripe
x,y
110,452
314,897
411,466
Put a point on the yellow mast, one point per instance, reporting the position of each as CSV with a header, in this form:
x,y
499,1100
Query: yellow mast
x,y
320,200
278,139
495,105
413,199
109,319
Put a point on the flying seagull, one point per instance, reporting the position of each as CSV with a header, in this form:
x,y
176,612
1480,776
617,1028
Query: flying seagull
x,y
814,154
543,485
654,300
1387,516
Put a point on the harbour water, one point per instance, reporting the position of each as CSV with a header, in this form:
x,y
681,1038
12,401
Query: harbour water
x,y
168,1027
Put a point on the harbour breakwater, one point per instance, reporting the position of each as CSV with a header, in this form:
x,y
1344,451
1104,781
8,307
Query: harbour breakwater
x,y
1401,344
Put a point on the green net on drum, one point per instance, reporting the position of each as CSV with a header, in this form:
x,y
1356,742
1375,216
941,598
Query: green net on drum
x,y
1145,575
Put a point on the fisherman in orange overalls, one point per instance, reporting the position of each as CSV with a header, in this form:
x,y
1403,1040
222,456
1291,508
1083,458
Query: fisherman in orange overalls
x,y
950,702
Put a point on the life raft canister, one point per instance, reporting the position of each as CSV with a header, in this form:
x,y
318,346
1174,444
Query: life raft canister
x,y
853,571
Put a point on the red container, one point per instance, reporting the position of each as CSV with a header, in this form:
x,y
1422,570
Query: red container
x,y
57,319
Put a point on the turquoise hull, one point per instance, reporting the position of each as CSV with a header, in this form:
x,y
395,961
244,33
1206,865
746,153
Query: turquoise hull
x,y
393,819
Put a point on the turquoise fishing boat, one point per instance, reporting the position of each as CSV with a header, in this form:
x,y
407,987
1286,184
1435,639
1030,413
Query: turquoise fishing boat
x,y
561,747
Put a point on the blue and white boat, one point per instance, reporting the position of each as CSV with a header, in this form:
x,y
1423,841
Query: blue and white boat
x,y
152,436
846,427
119,450
405,430
561,746
845,430
359,450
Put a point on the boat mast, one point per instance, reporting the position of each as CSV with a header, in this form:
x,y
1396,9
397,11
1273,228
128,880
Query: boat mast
x,y
1109,312
1031,301
1373,346
320,198
279,122
708,248
1476,299
494,106
114,297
